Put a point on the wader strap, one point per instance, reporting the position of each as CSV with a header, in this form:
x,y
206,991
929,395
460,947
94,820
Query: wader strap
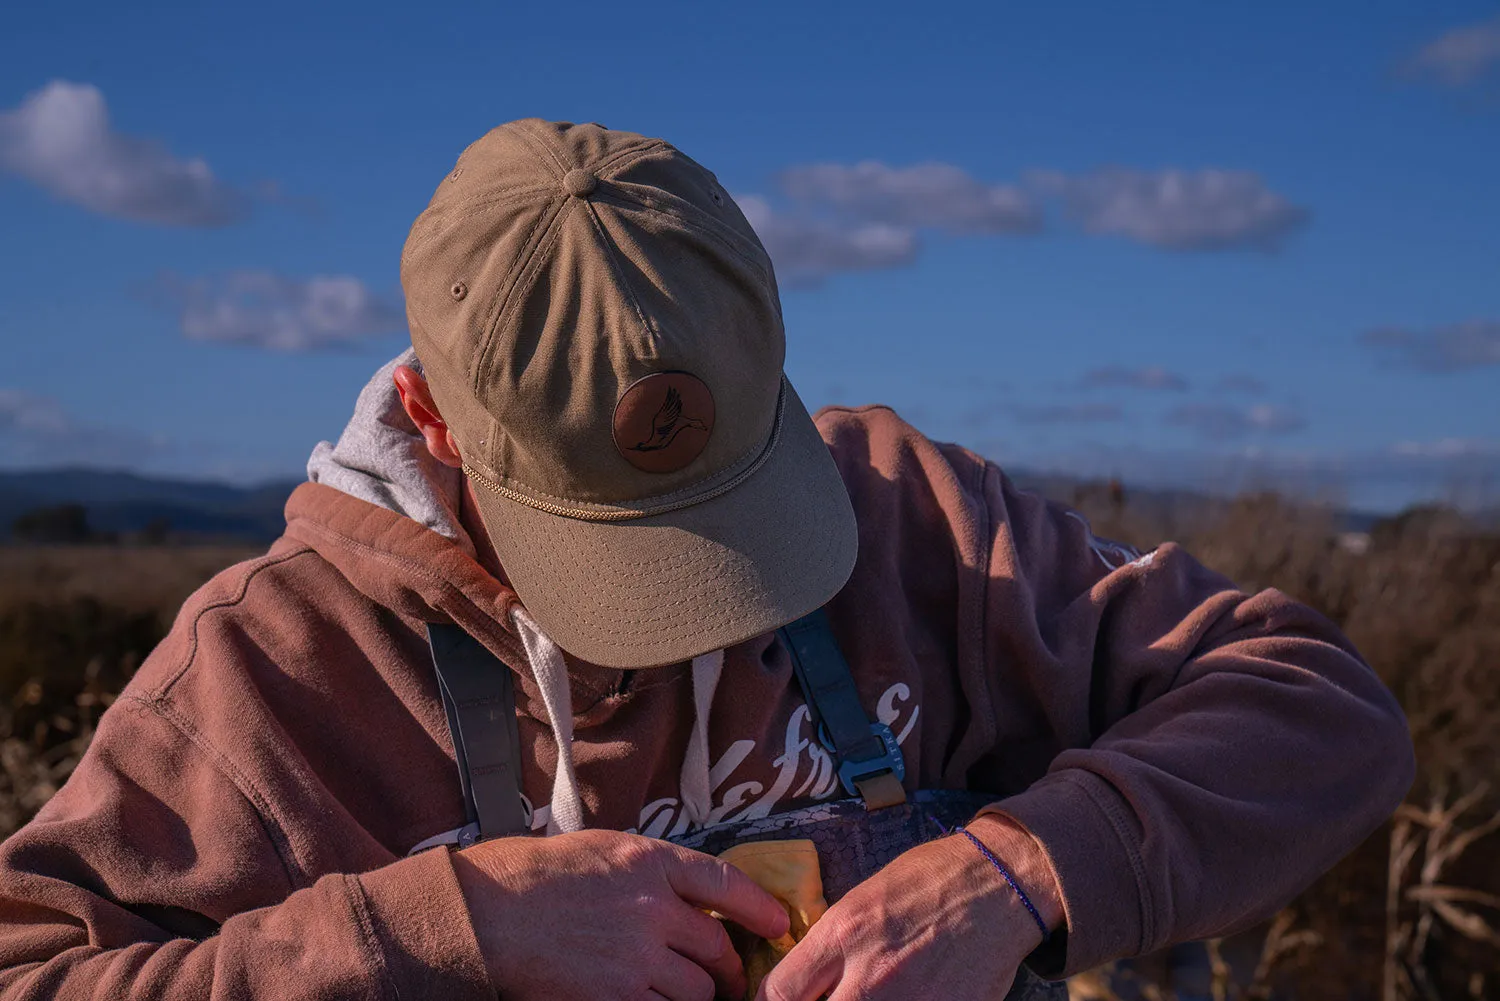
x,y
481,705
866,754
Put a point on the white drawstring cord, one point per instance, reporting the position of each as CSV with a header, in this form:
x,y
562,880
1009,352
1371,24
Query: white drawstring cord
x,y
551,672
697,796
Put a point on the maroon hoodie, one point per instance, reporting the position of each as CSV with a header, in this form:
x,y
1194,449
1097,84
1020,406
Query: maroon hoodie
x,y
1189,756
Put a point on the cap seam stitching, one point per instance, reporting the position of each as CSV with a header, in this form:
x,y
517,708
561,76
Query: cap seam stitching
x,y
620,194
622,158
629,156
542,228
538,246
472,204
619,513
534,137
613,253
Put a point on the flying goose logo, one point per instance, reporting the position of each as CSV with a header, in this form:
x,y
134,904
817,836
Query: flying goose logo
x,y
668,423
663,421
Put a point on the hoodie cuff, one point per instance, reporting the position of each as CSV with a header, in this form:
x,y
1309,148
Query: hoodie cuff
x,y
1083,827
419,923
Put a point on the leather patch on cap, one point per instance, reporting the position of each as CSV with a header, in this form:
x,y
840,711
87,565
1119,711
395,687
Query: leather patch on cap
x,y
663,421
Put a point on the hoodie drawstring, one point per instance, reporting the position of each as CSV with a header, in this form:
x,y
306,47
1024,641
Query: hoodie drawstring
x,y
697,794
551,672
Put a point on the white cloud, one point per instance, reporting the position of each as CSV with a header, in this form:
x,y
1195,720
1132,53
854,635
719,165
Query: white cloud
x,y
925,196
1185,210
1459,57
1455,347
271,311
806,250
60,139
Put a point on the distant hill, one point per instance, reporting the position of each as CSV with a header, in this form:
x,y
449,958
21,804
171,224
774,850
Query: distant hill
x,y
127,503
196,510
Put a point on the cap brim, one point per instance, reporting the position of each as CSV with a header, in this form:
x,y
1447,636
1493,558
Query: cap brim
x,y
662,589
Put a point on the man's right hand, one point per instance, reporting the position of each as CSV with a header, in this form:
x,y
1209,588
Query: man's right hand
x,y
608,916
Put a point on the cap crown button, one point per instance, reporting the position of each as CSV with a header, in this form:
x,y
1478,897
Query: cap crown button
x,y
579,183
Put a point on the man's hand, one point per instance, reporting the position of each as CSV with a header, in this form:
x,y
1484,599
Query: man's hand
x,y
607,916
938,922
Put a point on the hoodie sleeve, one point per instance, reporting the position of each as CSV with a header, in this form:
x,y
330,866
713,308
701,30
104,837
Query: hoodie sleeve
x,y
1221,750
153,874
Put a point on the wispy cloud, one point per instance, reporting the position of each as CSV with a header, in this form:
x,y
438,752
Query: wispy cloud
x,y
1241,383
1448,448
806,250
827,218
1455,347
1457,58
60,139
1218,422
37,431
926,196
1182,210
1462,470
266,310
1077,413
1152,378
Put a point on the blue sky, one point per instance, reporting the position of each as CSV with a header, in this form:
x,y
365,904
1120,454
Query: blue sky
x,y
1203,245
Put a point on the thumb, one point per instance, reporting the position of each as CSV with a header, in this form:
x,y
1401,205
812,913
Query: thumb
x,y
812,969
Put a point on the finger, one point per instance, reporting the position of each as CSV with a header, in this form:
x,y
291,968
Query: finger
x,y
681,979
704,940
704,880
813,967
651,995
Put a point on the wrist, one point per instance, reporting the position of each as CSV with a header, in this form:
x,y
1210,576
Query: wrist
x,y
482,881
1027,863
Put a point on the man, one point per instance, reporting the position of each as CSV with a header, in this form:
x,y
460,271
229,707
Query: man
x,y
598,472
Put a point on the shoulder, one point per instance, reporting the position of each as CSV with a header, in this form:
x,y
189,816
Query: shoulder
x,y
920,503
238,614
875,437
897,476
885,460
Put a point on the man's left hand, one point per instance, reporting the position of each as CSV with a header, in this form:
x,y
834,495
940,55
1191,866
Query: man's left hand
x,y
938,922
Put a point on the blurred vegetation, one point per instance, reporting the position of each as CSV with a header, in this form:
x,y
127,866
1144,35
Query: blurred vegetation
x,y
75,623
1413,913
58,523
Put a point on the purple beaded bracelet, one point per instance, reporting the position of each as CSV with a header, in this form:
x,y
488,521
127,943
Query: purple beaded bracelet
x,y
1005,874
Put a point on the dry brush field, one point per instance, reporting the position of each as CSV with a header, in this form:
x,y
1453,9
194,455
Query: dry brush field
x,y
1413,913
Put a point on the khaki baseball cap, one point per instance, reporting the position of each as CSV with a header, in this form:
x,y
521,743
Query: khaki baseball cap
x,y
601,331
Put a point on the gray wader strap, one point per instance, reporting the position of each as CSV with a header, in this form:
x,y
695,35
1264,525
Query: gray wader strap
x,y
866,754
479,698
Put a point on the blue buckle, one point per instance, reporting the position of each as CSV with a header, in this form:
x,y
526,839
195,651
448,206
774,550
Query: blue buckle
x,y
851,772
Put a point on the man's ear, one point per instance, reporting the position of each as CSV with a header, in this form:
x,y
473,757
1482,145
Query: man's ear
x,y
416,398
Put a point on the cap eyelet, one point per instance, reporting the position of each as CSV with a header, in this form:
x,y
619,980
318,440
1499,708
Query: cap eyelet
x,y
459,290
718,198
456,171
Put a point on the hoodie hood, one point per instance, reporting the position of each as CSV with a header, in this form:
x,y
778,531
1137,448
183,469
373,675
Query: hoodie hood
x,y
382,459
